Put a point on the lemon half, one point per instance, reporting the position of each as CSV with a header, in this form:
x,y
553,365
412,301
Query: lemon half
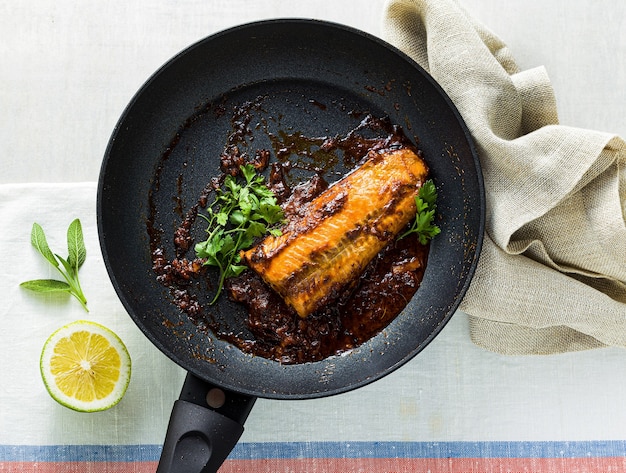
x,y
85,366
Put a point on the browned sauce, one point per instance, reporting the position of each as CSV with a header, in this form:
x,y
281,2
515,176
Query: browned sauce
x,y
380,294
276,332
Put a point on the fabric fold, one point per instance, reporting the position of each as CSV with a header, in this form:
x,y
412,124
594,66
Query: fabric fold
x,y
552,273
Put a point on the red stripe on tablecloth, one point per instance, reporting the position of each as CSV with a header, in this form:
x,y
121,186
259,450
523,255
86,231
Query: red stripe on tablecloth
x,y
349,465
428,465
78,467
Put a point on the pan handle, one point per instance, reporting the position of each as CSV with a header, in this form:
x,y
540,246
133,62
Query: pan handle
x,y
205,425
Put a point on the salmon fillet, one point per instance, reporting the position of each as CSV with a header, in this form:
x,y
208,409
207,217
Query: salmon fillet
x,y
338,233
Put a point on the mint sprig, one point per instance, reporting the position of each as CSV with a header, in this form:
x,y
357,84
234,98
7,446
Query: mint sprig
x,y
241,212
67,267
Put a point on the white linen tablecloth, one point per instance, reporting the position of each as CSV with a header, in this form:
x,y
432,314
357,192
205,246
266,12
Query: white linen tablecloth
x,y
69,69
439,406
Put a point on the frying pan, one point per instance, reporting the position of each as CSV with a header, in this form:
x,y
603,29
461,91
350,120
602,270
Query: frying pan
x,y
316,78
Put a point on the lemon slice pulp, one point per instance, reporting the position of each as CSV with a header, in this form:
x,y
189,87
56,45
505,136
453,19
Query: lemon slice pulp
x,y
85,366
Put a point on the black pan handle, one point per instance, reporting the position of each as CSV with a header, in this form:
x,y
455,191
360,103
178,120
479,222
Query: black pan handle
x,y
205,425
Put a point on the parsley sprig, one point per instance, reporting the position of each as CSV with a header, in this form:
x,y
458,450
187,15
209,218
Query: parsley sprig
x,y
426,203
67,267
241,212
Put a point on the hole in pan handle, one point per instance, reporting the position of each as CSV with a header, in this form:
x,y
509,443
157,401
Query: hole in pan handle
x,y
205,425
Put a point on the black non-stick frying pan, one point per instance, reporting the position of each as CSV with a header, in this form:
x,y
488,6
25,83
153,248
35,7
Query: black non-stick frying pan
x,y
315,78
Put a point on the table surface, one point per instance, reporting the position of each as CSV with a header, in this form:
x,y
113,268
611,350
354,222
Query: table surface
x,y
68,70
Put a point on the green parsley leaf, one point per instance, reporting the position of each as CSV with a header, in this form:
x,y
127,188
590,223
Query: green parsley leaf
x,y
221,218
240,213
426,205
249,173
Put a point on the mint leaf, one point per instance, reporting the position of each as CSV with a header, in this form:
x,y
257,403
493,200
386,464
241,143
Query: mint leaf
x,y
46,285
66,264
68,267
38,240
75,245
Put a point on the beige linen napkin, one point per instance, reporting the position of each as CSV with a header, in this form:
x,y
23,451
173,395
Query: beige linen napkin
x,y
552,273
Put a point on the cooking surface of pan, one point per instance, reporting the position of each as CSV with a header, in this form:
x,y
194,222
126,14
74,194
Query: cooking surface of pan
x,y
308,77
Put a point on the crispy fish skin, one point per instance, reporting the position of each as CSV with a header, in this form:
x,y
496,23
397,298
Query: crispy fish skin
x,y
339,232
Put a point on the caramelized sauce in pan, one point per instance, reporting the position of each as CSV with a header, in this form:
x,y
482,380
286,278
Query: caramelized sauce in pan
x,y
273,330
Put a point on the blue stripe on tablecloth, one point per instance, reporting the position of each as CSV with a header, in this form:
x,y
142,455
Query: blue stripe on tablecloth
x,y
291,450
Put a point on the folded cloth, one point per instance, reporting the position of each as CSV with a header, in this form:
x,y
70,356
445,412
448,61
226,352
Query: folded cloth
x,y
552,273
